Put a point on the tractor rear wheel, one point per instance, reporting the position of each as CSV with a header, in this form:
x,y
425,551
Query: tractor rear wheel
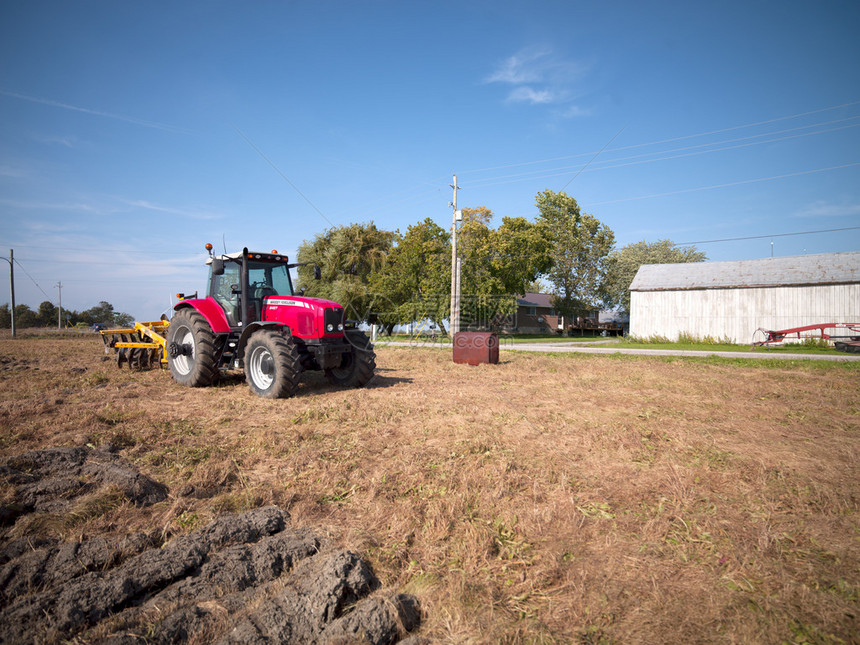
x,y
357,367
272,365
191,349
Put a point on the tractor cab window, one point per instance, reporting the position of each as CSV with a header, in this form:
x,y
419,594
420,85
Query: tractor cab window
x,y
269,280
266,280
225,288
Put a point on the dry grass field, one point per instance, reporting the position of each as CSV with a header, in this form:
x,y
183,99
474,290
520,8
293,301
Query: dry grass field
x,y
547,499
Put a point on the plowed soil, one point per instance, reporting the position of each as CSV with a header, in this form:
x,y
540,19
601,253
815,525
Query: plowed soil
x,y
552,499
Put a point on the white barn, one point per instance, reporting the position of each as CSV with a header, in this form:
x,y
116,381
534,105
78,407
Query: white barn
x,y
731,300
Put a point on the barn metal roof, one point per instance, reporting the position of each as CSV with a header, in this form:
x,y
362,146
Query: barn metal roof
x,y
797,270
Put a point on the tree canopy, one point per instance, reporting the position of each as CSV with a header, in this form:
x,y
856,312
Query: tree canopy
x,y
47,314
348,256
579,246
392,278
415,283
623,264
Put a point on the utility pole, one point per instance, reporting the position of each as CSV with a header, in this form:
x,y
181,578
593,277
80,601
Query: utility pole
x,y
454,323
60,310
11,261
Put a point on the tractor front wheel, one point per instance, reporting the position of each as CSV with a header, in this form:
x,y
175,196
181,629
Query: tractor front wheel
x,y
272,366
356,367
191,349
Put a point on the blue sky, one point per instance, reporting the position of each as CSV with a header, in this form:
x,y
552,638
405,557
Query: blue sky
x,y
134,132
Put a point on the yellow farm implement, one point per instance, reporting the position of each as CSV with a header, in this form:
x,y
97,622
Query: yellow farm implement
x,y
141,346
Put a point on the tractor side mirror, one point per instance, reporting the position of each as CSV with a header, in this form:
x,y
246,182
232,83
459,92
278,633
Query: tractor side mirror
x,y
317,273
217,266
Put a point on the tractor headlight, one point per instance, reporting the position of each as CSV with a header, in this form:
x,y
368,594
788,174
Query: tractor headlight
x,y
340,327
329,327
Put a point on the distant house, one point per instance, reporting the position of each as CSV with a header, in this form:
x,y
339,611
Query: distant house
x,y
731,300
535,315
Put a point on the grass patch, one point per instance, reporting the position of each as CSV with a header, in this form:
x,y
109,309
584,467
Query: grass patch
x,y
553,498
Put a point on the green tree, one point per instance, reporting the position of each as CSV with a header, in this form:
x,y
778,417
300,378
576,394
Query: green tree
x,y
5,316
47,314
25,317
101,313
348,256
497,264
579,245
122,319
416,280
482,294
521,254
623,264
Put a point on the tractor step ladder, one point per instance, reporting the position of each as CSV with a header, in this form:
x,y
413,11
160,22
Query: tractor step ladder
x,y
141,346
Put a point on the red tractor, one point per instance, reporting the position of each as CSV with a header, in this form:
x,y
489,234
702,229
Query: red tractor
x,y
253,319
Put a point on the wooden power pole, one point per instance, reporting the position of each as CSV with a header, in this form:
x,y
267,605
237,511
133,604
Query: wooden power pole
x,y
454,323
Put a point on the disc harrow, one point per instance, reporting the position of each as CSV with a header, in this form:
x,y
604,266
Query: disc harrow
x,y
141,346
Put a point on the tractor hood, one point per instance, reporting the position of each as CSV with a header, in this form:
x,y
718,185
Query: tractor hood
x,y
300,301
308,318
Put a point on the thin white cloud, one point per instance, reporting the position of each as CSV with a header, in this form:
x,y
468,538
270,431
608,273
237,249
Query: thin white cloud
x,y
68,142
109,115
574,111
526,66
201,215
539,77
79,207
826,209
11,171
526,94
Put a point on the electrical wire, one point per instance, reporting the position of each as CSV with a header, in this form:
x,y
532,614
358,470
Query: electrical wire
x,y
760,237
590,160
611,164
726,185
31,278
283,176
672,139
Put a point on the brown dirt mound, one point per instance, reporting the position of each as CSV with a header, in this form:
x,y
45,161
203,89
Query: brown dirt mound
x,y
244,578
52,480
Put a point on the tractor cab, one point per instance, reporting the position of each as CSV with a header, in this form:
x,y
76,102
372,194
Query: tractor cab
x,y
240,283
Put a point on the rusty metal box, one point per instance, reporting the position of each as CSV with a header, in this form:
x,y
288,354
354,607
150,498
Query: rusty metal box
x,y
475,347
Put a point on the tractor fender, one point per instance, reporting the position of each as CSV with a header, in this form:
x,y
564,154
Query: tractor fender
x,y
255,326
210,310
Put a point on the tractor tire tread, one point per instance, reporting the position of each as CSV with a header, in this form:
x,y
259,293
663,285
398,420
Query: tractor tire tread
x,y
363,365
204,370
287,364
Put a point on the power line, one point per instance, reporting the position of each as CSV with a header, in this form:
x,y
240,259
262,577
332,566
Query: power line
x,y
592,159
726,185
611,164
283,176
670,140
759,237
31,278
100,249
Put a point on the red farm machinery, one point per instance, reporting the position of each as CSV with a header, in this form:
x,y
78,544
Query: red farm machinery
x,y
251,320
844,336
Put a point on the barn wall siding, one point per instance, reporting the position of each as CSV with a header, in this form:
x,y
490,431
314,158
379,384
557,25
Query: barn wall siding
x,y
737,313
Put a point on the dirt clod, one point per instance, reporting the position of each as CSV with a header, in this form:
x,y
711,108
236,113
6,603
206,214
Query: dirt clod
x,y
244,578
51,480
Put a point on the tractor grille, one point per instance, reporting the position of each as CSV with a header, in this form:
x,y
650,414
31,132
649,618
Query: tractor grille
x,y
333,317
